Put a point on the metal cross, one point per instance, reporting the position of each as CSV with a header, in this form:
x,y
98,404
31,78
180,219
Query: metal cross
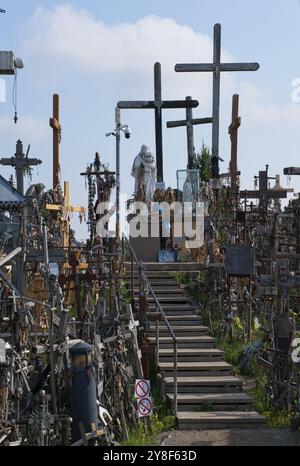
x,y
56,126
189,122
233,131
20,162
216,68
157,104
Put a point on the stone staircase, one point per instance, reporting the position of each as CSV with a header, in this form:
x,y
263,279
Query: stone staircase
x,y
209,395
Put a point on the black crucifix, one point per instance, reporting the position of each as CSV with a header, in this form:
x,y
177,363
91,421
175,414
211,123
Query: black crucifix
x,y
233,131
216,67
157,104
189,122
21,162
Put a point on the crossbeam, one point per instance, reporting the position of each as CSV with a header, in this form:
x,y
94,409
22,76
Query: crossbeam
x,y
216,68
189,122
157,105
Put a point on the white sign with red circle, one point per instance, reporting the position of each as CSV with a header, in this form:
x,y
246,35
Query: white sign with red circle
x,y
142,388
144,406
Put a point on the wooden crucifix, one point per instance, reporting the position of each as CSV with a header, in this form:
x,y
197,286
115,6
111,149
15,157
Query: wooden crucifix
x,y
216,68
158,104
20,162
189,122
56,127
66,211
233,131
264,194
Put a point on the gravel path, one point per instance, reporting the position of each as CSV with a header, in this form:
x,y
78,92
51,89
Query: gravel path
x,y
231,437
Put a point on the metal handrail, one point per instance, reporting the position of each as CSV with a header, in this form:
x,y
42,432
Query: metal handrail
x,y
161,312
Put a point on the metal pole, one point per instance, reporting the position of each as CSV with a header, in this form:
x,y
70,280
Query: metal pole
x,y
118,138
157,343
175,379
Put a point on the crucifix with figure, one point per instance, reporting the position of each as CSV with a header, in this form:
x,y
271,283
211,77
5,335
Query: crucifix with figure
x,y
56,126
264,193
216,68
158,104
21,163
233,131
189,122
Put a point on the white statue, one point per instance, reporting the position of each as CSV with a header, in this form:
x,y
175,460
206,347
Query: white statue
x,y
144,172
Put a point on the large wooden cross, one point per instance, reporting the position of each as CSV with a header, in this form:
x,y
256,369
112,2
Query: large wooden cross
x,y
20,162
157,104
66,211
216,68
233,131
56,126
189,122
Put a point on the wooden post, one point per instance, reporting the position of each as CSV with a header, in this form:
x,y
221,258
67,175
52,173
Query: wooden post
x,y
55,125
233,131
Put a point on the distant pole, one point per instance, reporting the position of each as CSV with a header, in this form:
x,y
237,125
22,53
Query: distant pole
x,y
118,139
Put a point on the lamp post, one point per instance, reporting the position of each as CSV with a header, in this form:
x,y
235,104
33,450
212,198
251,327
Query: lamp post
x,y
117,133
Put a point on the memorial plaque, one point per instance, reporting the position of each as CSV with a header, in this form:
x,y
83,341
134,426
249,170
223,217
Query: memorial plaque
x,y
239,261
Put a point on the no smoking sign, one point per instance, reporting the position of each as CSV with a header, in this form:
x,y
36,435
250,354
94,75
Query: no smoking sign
x,y
144,406
144,400
142,388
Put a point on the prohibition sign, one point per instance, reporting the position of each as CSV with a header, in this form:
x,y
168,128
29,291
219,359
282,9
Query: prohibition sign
x,y
144,407
142,388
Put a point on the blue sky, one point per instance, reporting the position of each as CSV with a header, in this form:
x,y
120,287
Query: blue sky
x,y
105,53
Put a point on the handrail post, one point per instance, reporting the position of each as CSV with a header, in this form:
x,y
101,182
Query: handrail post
x,y
175,378
132,281
157,344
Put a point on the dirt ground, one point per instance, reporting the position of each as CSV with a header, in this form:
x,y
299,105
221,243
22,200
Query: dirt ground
x,y
230,437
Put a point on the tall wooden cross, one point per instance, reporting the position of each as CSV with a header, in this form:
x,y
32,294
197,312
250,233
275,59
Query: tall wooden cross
x,y
216,68
56,126
233,131
189,122
66,211
158,104
20,162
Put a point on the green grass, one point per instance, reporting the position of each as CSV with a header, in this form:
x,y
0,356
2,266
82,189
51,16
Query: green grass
x,y
276,419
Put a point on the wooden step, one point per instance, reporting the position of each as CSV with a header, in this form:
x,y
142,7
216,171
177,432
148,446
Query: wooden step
x,y
203,384
219,420
163,291
175,307
220,401
182,320
191,354
185,342
168,299
179,330
191,369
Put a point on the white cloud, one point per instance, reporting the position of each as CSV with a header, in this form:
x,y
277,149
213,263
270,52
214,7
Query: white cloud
x,y
77,36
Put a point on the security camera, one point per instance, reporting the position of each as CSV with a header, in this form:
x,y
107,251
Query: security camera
x,y
19,63
127,132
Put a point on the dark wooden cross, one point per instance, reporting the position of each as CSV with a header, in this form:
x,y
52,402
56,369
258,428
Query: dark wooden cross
x,y
158,104
21,162
233,131
189,122
264,194
216,68
56,126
